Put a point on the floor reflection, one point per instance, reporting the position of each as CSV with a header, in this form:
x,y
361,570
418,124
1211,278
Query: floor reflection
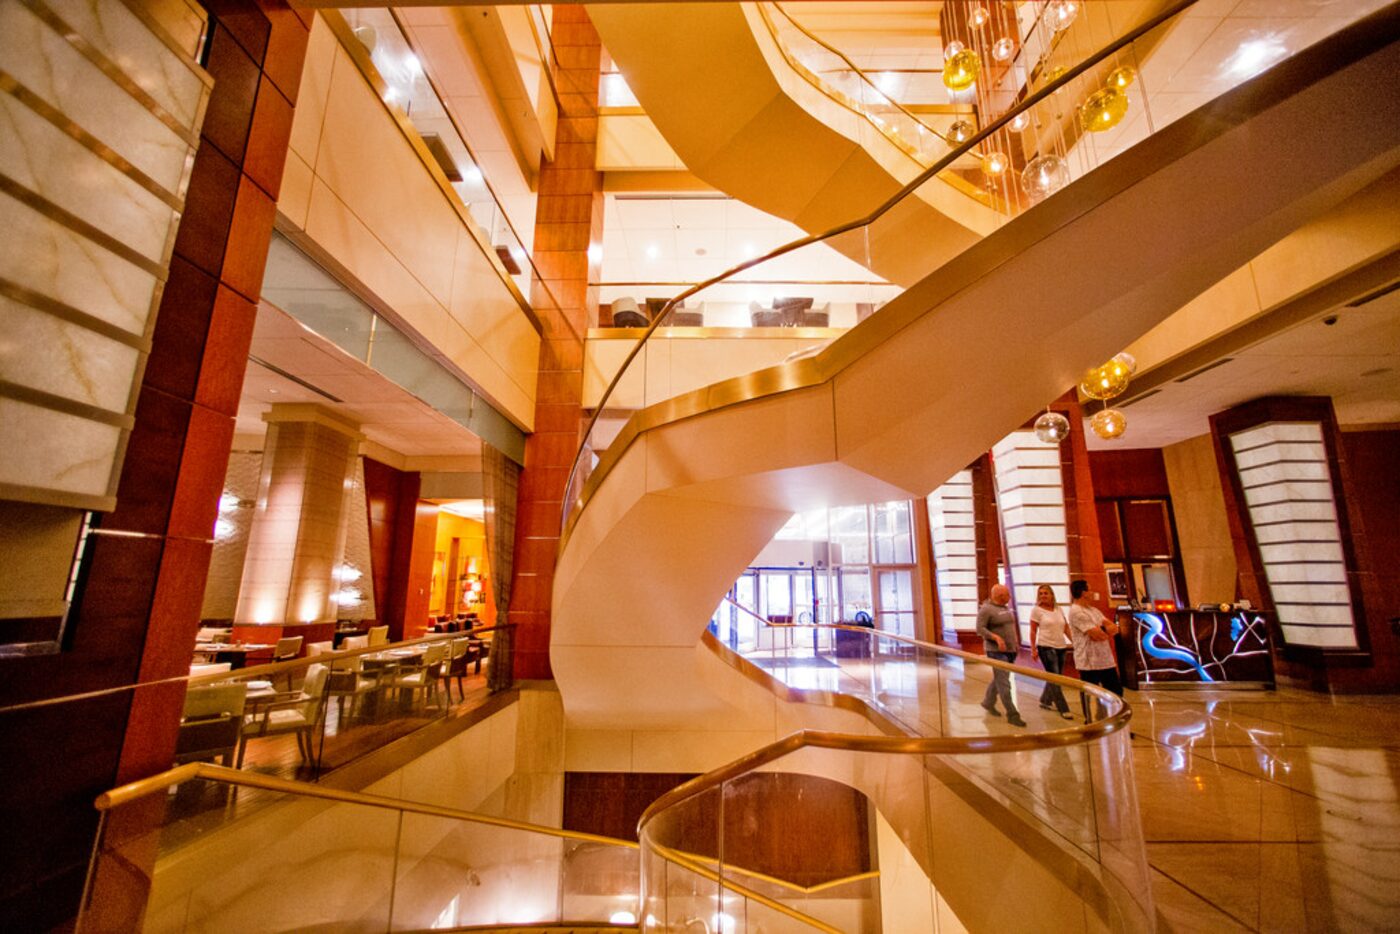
x,y
1271,811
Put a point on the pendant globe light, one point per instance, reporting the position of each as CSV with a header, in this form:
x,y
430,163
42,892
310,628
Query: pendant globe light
x,y
1103,110
1109,424
1052,427
960,70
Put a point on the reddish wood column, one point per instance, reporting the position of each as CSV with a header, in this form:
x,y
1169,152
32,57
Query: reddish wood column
x,y
569,220
137,607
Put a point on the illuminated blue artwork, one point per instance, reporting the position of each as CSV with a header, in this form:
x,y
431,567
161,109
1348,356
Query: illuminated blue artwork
x,y
1154,633
1202,647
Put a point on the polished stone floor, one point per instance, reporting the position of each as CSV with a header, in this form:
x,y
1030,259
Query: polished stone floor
x,y
1270,810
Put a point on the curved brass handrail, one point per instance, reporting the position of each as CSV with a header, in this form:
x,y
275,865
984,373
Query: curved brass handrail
x,y
944,745
810,371
693,863
159,783
855,69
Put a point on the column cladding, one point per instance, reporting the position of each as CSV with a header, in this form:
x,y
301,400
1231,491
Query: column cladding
x,y
569,220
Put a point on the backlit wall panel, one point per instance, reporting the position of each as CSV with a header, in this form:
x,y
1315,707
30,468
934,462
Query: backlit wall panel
x,y
952,520
1031,501
1287,486
100,113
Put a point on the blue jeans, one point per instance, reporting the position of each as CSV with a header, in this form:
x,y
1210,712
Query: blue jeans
x,y
1054,661
1001,685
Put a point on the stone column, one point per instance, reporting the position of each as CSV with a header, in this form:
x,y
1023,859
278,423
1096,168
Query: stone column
x,y
569,220
298,533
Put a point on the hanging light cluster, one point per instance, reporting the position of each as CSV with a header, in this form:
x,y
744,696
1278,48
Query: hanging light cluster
x,y
1105,382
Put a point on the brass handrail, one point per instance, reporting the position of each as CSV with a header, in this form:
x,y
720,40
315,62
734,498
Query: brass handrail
x,y
689,861
159,783
808,368
270,668
943,745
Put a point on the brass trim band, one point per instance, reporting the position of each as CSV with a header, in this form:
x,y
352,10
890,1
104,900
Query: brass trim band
x,y
81,227
119,77
47,400
65,312
92,144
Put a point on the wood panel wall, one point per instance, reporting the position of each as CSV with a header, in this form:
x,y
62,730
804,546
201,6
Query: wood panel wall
x,y
801,828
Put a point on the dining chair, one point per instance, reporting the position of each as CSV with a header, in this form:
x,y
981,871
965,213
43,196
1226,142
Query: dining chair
x,y
355,642
288,648
210,723
423,674
348,678
298,713
319,648
463,652
379,635
211,668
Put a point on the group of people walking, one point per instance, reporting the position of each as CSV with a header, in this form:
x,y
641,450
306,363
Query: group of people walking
x,y
1054,632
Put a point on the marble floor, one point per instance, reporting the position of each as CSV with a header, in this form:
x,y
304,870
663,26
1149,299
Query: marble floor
x,y
1270,810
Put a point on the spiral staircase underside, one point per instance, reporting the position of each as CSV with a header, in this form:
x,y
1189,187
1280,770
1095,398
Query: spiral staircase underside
x,y
965,355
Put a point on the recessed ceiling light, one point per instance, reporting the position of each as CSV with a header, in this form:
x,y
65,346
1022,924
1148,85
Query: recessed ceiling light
x,y
1254,55
700,251
653,251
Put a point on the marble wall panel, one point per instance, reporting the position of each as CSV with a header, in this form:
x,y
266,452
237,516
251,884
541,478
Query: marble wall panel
x,y
99,114
401,236
167,74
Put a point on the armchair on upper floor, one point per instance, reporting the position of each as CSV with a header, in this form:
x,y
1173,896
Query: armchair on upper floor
x,y
210,723
299,713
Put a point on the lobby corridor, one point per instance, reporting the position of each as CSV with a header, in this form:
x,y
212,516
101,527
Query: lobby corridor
x,y
1270,810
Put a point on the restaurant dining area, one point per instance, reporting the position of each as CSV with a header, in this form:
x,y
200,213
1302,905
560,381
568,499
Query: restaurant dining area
x,y
345,609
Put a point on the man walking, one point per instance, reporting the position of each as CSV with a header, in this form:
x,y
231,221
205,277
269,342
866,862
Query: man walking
x,y
996,624
1093,634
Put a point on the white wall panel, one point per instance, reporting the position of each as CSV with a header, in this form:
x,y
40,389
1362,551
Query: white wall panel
x,y
1283,471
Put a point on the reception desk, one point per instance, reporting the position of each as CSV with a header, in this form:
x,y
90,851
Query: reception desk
x,y
1194,648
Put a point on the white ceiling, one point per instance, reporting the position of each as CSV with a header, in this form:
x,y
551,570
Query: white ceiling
x,y
1356,361
877,35
388,415
663,239
1213,47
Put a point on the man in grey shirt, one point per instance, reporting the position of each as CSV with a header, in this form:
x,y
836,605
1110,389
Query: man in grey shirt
x,y
996,624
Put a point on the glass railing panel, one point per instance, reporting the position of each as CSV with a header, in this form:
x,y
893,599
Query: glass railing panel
x,y
184,851
453,872
186,854
680,885
1074,791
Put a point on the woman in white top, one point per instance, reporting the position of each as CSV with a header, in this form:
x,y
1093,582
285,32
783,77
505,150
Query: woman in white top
x,y
1050,636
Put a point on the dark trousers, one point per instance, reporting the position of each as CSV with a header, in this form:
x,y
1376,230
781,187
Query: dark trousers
x,y
1106,678
1054,661
1001,685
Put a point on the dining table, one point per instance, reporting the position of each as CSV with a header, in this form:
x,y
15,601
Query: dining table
x,y
235,653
